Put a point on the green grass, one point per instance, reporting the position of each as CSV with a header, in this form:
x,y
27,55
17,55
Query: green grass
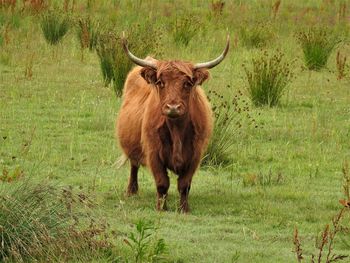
x,y
59,126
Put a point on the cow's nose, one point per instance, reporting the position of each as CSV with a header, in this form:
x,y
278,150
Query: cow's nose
x,y
173,107
173,110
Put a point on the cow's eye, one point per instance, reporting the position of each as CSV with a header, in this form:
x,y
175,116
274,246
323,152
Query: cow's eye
x,y
159,84
188,84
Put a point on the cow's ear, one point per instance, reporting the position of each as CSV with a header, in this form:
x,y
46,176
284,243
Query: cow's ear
x,y
149,74
200,75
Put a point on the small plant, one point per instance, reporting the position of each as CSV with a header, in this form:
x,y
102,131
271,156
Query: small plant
x,y
317,44
28,71
8,4
54,27
217,7
262,179
185,28
69,5
342,14
144,244
88,32
276,8
268,78
8,176
341,65
256,35
325,242
35,6
230,117
346,181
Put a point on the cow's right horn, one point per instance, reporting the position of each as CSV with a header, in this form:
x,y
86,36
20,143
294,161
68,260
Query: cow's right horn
x,y
136,60
217,61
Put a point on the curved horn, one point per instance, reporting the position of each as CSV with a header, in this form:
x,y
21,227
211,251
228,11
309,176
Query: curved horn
x,y
215,62
133,58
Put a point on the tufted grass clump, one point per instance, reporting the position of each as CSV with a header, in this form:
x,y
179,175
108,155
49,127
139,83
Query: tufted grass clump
x,y
42,223
54,26
317,44
231,115
184,29
88,32
268,77
114,63
256,35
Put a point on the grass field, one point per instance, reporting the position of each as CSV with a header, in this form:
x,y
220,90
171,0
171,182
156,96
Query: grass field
x,y
57,125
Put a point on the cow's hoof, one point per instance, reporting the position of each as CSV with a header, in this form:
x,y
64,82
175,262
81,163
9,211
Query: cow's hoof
x,y
161,205
132,190
185,209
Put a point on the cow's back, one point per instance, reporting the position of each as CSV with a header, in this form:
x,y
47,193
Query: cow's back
x,y
129,121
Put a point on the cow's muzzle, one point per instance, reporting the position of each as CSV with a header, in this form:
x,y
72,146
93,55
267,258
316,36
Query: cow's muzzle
x,y
173,110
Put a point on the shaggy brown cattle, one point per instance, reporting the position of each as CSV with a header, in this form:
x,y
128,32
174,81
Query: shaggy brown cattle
x,y
165,121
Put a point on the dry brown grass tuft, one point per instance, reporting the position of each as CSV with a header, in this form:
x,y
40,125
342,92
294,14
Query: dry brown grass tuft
x,y
341,65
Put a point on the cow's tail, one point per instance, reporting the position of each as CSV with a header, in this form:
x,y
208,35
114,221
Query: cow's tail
x,y
121,161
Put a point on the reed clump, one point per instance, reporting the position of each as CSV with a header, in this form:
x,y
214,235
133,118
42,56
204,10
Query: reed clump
x,y
317,43
268,77
54,26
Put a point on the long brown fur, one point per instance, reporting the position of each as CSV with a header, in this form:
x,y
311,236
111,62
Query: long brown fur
x,y
148,137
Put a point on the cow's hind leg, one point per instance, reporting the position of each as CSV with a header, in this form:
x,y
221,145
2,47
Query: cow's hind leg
x,y
133,186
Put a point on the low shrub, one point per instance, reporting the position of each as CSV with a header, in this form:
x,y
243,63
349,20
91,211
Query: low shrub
x,y
317,43
267,77
54,26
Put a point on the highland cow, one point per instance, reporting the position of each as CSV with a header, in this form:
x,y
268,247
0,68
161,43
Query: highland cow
x,y
165,121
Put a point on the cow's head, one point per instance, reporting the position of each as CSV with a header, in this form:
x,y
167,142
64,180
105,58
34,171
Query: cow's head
x,y
174,80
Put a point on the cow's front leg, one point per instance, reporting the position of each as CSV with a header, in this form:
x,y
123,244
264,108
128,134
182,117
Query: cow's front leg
x,y
184,186
162,182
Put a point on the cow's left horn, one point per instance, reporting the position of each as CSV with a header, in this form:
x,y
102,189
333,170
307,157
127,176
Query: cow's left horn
x,y
136,60
216,61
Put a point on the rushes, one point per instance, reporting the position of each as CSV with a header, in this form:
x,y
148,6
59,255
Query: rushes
x,y
256,35
230,117
185,28
268,77
29,216
107,51
317,44
40,223
87,33
54,27
114,63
